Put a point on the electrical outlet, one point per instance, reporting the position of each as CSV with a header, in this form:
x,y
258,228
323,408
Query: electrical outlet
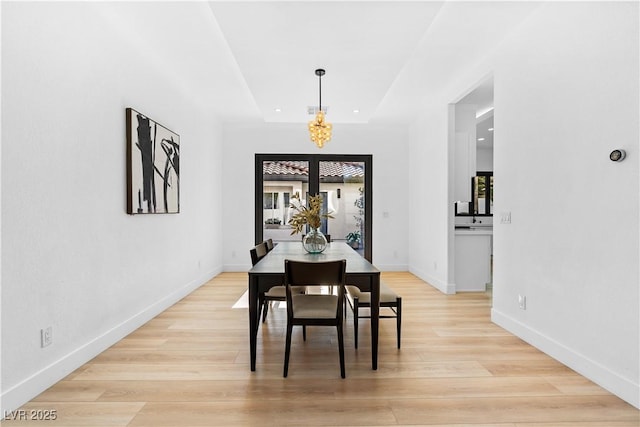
x,y
46,336
522,302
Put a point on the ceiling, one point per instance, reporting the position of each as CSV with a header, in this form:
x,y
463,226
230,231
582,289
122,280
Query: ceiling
x,y
482,97
484,131
382,58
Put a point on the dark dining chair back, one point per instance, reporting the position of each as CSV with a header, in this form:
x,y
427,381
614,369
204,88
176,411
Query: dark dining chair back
x,y
276,293
314,309
258,252
270,245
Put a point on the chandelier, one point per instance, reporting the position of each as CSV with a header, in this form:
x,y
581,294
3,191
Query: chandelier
x,y
319,129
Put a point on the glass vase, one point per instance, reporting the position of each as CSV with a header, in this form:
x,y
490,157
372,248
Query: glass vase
x,y
314,241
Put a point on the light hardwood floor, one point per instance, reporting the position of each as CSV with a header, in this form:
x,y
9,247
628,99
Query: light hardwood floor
x,y
190,367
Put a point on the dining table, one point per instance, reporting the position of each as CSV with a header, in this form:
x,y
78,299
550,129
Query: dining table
x,y
269,272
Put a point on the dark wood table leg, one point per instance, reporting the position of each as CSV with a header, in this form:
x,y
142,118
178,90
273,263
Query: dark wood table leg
x,y
375,318
253,318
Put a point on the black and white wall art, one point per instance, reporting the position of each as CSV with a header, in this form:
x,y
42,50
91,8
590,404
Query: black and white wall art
x,y
153,166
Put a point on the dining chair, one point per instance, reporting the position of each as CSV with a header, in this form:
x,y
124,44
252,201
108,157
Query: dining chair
x,y
314,309
270,245
276,293
258,252
358,299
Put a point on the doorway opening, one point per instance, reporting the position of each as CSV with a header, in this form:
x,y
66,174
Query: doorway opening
x,y
471,189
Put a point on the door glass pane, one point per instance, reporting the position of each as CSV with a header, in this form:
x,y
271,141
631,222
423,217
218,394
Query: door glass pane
x,y
281,180
342,186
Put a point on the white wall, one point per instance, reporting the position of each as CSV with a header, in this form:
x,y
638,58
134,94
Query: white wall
x,y
484,159
73,259
566,94
465,151
430,212
565,97
387,144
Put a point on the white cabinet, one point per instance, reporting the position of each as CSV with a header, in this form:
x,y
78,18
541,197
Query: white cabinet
x,y
473,259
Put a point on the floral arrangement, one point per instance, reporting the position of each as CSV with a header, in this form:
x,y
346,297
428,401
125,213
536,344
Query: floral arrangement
x,y
311,215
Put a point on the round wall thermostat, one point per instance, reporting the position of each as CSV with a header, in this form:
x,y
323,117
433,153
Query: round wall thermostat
x,y
617,155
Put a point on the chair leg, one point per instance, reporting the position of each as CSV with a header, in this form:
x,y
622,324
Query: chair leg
x,y
355,322
304,332
265,309
341,350
287,350
399,318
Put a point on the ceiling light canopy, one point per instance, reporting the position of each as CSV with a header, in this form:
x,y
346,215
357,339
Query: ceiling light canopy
x,y
319,129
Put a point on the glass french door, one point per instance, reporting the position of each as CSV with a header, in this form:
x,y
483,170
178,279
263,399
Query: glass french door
x,y
344,181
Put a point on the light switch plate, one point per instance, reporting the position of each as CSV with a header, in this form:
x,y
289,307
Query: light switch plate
x,y
505,218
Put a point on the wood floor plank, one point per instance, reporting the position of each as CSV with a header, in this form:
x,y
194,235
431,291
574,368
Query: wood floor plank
x,y
575,385
183,357
301,389
576,409
582,424
163,372
189,367
72,391
530,367
265,413
78,414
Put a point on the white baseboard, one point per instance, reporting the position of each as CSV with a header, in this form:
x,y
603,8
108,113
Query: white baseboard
x,y
32,386
622,387
444,287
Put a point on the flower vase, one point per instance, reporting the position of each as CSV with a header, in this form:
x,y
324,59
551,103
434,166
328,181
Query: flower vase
x,y
314,241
